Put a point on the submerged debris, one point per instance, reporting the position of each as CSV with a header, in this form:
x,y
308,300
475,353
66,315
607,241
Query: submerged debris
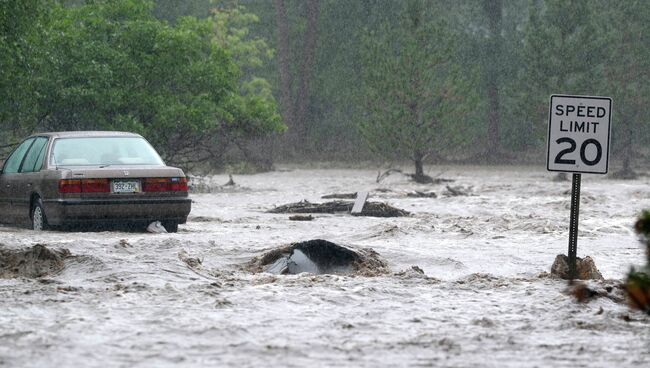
x,y
418,194
230,182
203,185
586,268
457,191
584,293
308,207
375,209
320,257
198,184
34,262
637,288
301,218
192,262
340,196
420,179
381,176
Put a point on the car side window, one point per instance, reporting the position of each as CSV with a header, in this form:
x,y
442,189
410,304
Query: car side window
x,y
13,162
30,164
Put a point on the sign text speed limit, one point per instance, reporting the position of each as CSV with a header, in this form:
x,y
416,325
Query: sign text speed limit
x,y
578,134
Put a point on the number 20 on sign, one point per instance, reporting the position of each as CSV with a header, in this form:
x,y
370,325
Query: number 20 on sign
x,y
578,134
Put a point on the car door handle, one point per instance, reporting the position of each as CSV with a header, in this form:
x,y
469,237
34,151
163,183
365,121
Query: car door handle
x,y
29,184
8,185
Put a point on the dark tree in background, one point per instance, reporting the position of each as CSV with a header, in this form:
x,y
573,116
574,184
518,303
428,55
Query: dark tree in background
x,y
295,99
627,74
415,94
494,61
21,55
312,57
564,52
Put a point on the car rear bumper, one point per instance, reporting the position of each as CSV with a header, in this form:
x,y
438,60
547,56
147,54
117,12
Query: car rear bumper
x,y
68,211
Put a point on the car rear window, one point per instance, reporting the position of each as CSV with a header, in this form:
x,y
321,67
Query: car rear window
x,y
93,151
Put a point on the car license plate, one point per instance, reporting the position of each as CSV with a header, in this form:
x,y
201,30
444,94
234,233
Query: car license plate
x,y
126,186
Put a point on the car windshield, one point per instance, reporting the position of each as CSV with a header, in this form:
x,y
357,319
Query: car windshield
x,y
91,151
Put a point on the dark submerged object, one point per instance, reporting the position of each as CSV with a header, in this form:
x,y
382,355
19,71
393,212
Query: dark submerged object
x,y
320,257
374,209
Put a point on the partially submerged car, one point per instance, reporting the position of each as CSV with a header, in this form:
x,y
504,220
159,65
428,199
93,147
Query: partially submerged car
x,y
73,178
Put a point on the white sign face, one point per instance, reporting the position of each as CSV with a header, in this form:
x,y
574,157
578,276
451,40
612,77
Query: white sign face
x,y
578,134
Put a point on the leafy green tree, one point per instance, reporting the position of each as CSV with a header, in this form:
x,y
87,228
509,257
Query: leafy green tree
x,y
254,108
114,66
416,95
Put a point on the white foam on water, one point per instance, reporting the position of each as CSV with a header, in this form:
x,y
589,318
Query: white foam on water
x,y
129,300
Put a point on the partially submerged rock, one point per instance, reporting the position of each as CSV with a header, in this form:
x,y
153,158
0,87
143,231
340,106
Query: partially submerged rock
x,y
320,257
375,209
34,262
585,268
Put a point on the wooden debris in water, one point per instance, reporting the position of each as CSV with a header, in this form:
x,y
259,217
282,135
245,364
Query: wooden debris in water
x,y
340,196
374,209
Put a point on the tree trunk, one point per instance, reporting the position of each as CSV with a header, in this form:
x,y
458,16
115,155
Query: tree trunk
x,y
493,10
627,148
419,168
286,100
309,51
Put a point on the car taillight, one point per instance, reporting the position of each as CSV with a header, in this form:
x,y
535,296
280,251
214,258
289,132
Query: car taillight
x,y
155,185
95,186
84,186
69,186
165,185
178,185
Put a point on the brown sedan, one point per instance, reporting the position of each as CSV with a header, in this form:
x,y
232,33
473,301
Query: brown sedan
x,y
54,179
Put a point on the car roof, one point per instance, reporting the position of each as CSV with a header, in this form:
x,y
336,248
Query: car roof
x,y
84,134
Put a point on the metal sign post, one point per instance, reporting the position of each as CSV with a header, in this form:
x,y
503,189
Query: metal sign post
x,y
578,142
573,224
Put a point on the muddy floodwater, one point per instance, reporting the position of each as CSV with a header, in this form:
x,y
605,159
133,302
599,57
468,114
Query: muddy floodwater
x,y
466,283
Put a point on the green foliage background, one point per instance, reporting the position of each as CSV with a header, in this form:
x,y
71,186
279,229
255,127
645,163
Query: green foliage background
x,y
199,77
111,65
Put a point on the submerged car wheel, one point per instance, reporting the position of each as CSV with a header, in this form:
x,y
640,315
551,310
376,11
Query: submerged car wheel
x,y
170,226
39,222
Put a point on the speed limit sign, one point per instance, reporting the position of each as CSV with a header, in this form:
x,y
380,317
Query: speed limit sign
x,y
578,134
578,142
